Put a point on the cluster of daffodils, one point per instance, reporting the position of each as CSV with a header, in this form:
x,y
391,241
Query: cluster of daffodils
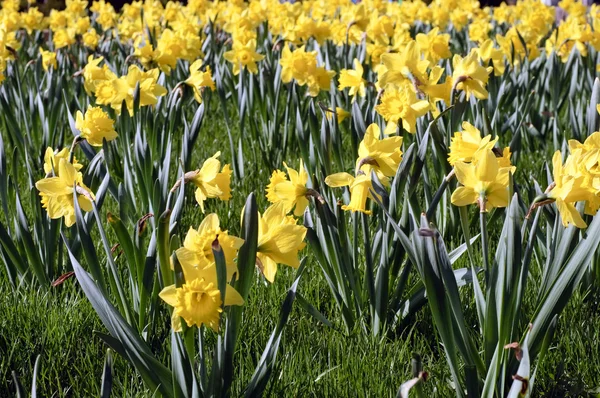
x,y
301,67
482,170
411,79
577,180
63,177
111,90
161,35
198,300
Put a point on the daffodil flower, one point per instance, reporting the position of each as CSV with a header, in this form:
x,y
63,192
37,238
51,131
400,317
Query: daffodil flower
x,y
360,189
279,240
353,79
244,55
196,253
292,193
469,76
402,104
466,143
567,190
198,301
57,193
383,155
96,126
198,80
483,182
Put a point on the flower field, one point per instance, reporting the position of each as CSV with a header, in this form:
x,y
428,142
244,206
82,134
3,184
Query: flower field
x,y
319,198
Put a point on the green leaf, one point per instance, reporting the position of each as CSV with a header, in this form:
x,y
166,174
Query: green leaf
x,y
263,371
155,375
107,376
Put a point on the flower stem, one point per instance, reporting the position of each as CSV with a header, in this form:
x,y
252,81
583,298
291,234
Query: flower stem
x,y
438,195
484,243
76,141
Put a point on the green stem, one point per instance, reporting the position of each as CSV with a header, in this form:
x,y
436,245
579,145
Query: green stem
x,y
484,243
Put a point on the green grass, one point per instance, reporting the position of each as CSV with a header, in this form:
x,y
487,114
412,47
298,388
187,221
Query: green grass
x,y
314,360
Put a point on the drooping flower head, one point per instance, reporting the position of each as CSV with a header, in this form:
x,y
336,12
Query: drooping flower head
x,y
199,80
353,79
469,76
360,189
48,59
572,183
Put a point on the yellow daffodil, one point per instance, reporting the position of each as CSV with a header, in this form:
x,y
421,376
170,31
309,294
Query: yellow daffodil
x,y
466,143
91,39
360,189
433,45
488,53
197,254
198,80
198,301
292,193
297,65
302,66
569,189
52,159
118,90
210,182
279,240
402,104
93,74
469,76
340,113
404,67
353,79
383,155
244,55
57,193
48,59
95,126
483,182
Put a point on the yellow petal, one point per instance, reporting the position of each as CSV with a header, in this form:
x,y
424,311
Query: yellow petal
x,y
487,166
169,295
339,180
232,297
464,196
